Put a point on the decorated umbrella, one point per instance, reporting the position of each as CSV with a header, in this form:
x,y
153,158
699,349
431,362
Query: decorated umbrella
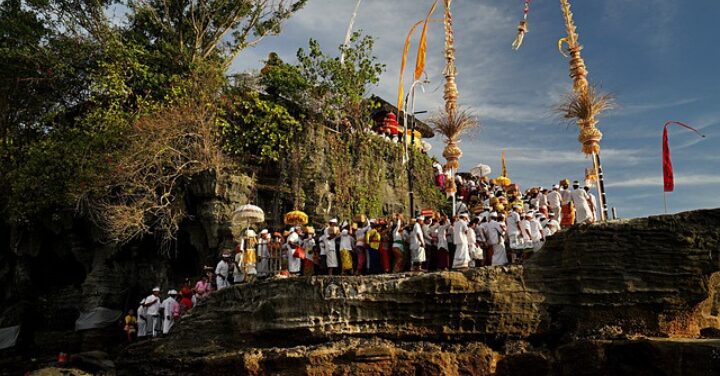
x,y
481,170
503,181
295,218
248,214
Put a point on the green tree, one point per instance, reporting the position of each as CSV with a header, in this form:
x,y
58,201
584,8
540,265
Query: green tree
x,y
341,88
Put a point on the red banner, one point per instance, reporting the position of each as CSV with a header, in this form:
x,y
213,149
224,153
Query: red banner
x,y
668,175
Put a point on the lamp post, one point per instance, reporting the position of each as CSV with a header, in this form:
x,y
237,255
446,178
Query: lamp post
x,y
411,159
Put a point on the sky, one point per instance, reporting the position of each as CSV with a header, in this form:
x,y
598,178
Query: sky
x,y
658,57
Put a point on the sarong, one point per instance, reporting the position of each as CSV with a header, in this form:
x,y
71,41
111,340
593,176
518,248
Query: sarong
x,y
360,251
568,216
385,259
398,258
308,268
346,260
374,261
442,259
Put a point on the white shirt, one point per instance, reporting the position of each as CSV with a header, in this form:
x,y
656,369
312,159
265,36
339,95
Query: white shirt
x,y
442,234
566,196
512,222
308,245
553,199
483,231
222,268
168,305
346,242
154,308
360,235
495,232
417,239
551,227
542,199
525,227
535,230
460,233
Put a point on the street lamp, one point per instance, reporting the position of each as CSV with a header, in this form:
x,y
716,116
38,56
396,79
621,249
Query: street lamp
x,y
411,161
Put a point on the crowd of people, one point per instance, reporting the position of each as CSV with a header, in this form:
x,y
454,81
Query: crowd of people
x,y
494,224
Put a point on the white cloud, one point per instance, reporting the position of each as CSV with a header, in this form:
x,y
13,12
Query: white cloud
x,y
657,181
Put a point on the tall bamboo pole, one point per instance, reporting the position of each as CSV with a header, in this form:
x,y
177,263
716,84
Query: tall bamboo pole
x,y
590,136
452,152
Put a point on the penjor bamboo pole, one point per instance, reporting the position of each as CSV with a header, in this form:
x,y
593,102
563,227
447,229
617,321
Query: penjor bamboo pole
x,y
590,136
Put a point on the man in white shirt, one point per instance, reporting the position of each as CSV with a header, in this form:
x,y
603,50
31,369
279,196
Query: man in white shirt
x,y
552,226
462,252
581,200
293,241
331,255
171,310
263,253
417,244
554,201
514,232
594,206
222,271
476,253
152,312
537,234
496,239
142,320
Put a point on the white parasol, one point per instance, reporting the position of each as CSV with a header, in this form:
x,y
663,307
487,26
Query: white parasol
x,y
248,214
481,170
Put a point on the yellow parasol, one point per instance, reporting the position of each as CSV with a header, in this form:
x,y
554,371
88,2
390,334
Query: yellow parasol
x,y
503,181
295,218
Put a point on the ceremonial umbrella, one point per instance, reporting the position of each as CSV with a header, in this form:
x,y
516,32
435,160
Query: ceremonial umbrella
x,y
503,181
248,214
481,170
295,218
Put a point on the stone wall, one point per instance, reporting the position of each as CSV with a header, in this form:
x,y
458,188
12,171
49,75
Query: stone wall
x,y
585,304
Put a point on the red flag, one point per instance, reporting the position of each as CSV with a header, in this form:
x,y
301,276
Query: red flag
x,y
668,177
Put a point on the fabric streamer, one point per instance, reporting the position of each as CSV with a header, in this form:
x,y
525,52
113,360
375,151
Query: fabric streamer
x,y
401,90
668,176
522,27
422,46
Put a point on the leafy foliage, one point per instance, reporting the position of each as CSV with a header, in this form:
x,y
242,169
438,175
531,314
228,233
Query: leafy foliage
x,y
256,129
341,88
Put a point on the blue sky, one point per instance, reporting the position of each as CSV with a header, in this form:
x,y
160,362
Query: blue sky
x,y
659,57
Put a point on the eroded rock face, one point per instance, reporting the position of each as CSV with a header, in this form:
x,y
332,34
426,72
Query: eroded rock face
x,y
651,276
583,305
488,302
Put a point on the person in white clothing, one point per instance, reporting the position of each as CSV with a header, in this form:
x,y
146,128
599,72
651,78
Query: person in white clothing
x,y
581,200
554,200
152,313
462,252
514,232
476,253
594,206
551,226
331,254
417,244
141,320
171,311
496,239
222,271
263,253
291,244
536,233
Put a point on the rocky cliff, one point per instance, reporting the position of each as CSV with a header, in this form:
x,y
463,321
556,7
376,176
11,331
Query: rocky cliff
x,y
618,298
